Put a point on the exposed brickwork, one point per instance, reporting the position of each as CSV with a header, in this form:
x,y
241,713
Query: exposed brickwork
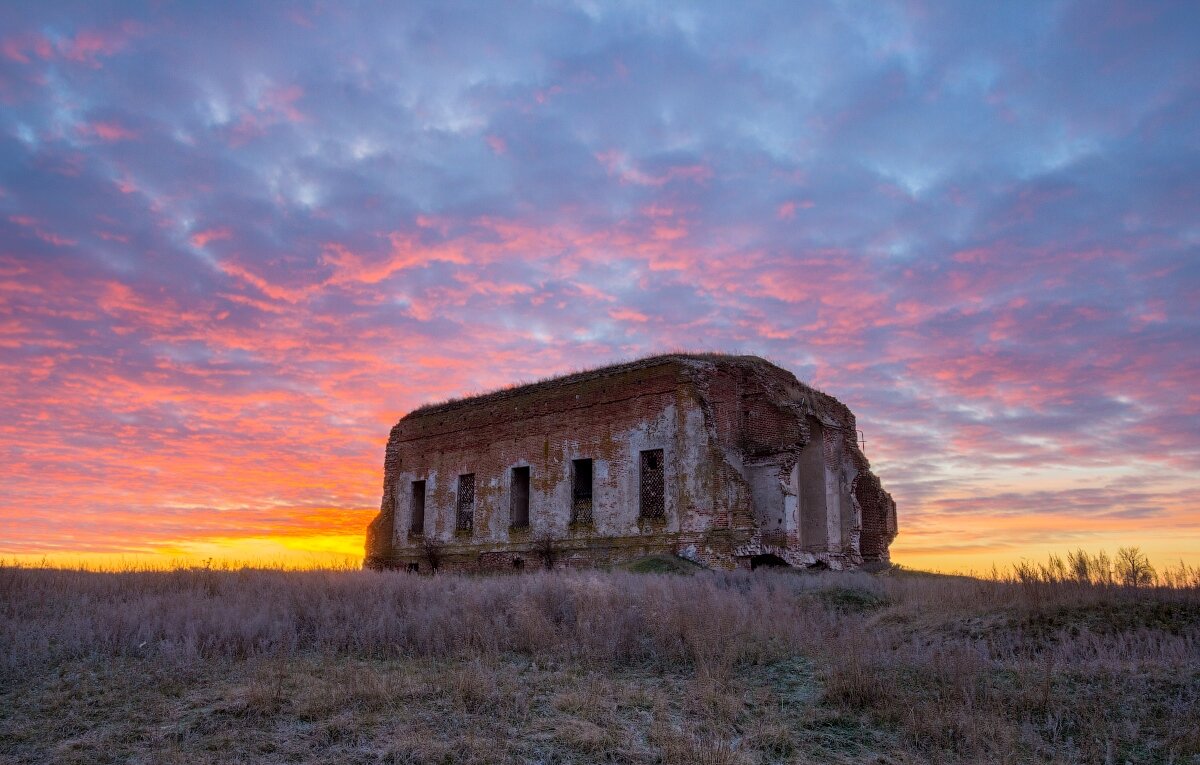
x,y
730,432
878,517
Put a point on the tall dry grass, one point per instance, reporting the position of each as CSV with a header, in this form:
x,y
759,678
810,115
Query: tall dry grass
x,y
1040,664
716,622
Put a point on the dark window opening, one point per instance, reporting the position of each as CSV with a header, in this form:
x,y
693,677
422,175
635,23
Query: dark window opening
x,y
413,568
744,436
417,520
767,561
518,564
465,519
581,492
652,485
519,498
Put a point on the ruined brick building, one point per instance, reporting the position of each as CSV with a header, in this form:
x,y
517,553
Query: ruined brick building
x,y
729,461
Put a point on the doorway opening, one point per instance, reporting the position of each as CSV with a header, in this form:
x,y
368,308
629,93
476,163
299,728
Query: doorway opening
x,y
767,560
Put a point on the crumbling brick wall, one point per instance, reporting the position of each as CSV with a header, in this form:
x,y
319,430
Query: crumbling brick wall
x,y
708,416
878,517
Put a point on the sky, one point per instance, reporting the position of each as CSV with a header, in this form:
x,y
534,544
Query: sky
x,y
238,242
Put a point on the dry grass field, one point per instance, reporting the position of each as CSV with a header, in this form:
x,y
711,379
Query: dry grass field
x,y
1056,663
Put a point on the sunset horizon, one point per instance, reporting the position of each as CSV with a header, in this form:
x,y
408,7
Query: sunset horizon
x,y
340,544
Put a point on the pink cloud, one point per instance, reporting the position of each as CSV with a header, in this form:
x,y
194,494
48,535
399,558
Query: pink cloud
x,y
368,268
12,49
271,290
20,48
34,227
627,314
282,101
275,105
202,238
88,46
109,132
787,210
497,144
619,164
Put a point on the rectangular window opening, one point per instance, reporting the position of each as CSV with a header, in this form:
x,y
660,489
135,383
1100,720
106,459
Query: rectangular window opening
x,y
581,492
465,518
652,485
417,506
519,498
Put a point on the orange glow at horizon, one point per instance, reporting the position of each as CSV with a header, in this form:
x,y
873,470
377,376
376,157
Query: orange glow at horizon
x,y
335,539
324,551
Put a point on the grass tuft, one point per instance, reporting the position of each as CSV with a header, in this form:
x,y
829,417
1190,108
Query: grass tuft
x,y
851,600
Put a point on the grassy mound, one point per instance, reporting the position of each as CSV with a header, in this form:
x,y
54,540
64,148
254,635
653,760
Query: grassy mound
x,y
851,599
661,564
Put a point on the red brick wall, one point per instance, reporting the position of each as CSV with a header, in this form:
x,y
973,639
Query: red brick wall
x,y
700,413
545,430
